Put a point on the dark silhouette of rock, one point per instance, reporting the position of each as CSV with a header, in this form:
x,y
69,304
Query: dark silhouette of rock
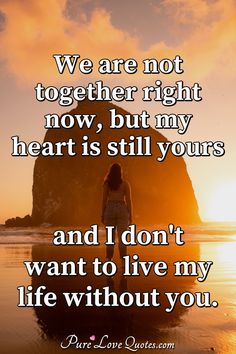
x,y
22,222
68,190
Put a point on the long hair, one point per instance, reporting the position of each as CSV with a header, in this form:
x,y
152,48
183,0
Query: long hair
x,y
114,177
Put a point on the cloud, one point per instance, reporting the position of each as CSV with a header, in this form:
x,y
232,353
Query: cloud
x,y
190,12
208,33
36,30
2,21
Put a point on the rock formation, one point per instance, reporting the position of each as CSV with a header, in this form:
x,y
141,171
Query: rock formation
x,y
68,190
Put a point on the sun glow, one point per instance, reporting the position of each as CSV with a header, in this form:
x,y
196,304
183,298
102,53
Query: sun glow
x,y
221,206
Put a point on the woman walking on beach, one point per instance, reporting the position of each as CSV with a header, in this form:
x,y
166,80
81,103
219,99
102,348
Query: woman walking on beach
x,y
116,206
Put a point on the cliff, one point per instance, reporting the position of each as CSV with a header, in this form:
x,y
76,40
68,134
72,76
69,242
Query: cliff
x,y
68,190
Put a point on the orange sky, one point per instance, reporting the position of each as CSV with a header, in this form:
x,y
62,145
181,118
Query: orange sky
x,y
202,32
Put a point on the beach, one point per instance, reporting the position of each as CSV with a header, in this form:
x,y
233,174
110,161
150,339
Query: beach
x,y
191,329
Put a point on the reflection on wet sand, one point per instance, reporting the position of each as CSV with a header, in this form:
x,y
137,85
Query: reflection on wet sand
x,y
117,322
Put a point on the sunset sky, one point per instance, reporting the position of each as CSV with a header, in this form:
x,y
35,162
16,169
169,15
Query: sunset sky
x,y
202,32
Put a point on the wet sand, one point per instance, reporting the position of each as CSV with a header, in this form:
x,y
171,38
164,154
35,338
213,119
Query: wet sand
x,y
193,329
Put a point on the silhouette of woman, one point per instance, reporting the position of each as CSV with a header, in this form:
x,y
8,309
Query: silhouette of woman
x,y
116,206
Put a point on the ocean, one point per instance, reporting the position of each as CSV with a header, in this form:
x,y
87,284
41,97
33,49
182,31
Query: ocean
x,y
202,317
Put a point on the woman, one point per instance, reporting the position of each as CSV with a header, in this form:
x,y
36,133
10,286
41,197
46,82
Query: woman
x,y
116,206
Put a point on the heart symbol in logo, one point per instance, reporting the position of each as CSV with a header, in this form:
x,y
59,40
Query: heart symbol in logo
x,y
92,337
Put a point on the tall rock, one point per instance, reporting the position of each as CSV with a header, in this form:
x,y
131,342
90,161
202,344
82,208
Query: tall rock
x,y
68,190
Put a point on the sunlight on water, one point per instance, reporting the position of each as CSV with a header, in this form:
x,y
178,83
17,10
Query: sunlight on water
x,y
226,253
194,330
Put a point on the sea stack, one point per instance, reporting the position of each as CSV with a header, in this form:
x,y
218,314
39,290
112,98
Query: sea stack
x,y
67,190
